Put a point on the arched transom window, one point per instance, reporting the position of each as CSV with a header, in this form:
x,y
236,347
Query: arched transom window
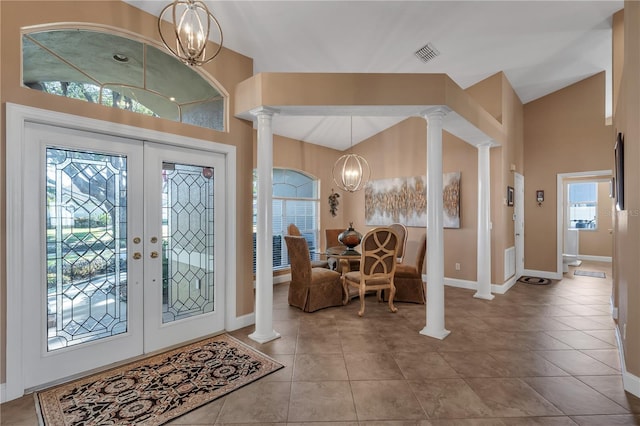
x,y
119,72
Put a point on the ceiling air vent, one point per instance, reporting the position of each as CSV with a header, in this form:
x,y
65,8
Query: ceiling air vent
x,y
427,52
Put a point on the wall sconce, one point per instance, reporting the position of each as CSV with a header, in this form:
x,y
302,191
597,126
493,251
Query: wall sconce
x,y
539,197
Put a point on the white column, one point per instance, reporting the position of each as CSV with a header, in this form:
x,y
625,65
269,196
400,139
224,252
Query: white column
x,y
264,331
484,223
435,233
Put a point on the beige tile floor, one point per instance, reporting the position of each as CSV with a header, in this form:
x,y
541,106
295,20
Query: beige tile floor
x,y
537,355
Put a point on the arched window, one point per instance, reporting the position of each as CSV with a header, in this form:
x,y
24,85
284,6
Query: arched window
x,y
295,200
119,72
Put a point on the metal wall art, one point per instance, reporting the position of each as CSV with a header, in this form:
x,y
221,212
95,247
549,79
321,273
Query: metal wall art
x,y
404,200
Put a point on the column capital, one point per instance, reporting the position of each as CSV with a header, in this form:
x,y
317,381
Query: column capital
x,y
438,111
486,144
262,111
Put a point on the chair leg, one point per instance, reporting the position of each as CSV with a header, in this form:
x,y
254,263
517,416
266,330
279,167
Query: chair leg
x,y
392,294
362,293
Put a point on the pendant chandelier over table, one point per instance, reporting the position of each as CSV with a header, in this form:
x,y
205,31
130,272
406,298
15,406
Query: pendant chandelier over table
x,y
351,172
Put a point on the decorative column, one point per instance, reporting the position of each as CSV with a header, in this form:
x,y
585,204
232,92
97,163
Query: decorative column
x,y
435,233
264,331
484,223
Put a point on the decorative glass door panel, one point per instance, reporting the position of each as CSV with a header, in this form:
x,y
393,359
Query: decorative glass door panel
x,y
184,231
187,241
86,246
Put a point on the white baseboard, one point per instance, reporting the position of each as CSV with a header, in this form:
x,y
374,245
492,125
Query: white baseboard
x,y
606,259
454,282
504,287
630,382
542,274
473,285
242,321
3,393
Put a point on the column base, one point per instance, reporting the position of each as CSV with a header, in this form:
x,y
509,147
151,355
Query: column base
x,y
485,296
264,338
437,334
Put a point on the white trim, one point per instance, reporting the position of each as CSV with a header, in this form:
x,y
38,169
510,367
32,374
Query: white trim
x,y
473,285
504,287
560,210
630,382
454,282
241,322
3,393
607,259
544,274
16,117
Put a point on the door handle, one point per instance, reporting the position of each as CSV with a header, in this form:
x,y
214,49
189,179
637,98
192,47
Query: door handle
x,y
154,254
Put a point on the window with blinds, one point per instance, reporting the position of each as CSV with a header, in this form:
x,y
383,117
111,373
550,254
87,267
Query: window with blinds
x,y
583,205
295,200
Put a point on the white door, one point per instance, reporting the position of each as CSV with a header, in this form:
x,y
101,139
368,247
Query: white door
x,y
95,230
518,204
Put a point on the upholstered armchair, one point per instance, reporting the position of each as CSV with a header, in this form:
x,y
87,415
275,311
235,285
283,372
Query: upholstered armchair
x,y
310,288
377,266
408,278
295,231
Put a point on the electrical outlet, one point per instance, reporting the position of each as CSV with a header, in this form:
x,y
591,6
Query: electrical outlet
x,y
457,266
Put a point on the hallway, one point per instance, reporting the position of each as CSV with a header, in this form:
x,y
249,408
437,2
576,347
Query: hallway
x,y
538,355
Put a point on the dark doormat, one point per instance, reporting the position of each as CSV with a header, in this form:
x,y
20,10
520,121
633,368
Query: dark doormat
x,y
534,280
595,274
155,390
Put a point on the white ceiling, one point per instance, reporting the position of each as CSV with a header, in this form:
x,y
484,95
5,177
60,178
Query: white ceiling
x,y
541,46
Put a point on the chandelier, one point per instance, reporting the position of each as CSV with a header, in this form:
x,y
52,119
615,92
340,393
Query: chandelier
x,y
192,22
351,172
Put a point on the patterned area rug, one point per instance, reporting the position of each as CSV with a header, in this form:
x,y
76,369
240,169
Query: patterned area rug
x,y
157,389
595,274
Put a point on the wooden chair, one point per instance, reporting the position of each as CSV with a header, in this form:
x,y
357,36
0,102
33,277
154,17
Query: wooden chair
x,y
377,266
292,229
408,278
310,288
401,231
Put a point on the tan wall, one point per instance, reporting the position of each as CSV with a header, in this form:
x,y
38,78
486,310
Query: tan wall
x,y
228,69
564,132
626,268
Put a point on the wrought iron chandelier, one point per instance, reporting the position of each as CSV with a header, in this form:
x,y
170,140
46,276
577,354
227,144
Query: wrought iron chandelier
x,y
351,172
192,22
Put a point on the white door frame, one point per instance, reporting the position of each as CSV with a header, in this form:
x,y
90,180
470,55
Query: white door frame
x,y
560,210
16,118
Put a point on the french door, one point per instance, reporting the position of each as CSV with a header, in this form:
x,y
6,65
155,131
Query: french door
x,y
124,241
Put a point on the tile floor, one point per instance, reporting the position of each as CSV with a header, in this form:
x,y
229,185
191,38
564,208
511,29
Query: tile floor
x,y
537,355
